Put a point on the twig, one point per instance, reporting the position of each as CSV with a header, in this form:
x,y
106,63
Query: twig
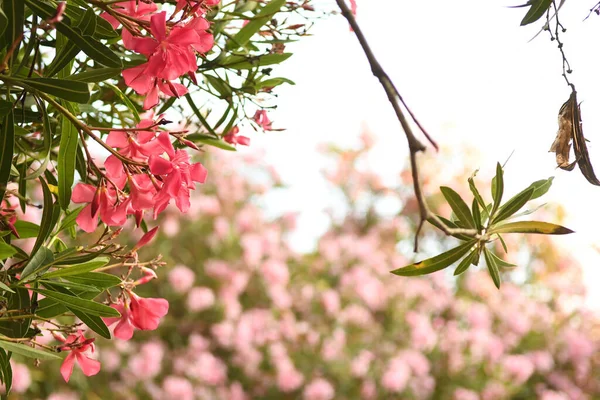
x,y
595,9
414,145
566,67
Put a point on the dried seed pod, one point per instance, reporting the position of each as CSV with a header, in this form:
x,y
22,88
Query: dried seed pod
x,y
562,143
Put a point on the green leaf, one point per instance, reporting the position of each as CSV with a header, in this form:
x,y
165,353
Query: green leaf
x,y
261,18
272,82
540,187
103,29
66,160
74,91
5,287
98,279
96,75
503,244
544,228
27,351
203,139
7,144
249,62
87,306
49,308
436,263
466,262
459,207
125,100
90,46
6,369
476,215
43,258
15,12
537,10
512,206
3,22
6,251
78,269
64,56
93,322
500,262
220,86
497,189
199,115
70,219
18,300
492,267
46,225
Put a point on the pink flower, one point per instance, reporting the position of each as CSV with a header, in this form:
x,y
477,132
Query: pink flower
x,y
396,376
233,137
21,378
319,389
518,368
288,378
200,298
465,394
261,118
133,8
80,348
102,203
179,388
124,328
181,278
147,312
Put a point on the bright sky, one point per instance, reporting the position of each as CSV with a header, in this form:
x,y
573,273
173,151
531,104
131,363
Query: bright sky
x,y
468,72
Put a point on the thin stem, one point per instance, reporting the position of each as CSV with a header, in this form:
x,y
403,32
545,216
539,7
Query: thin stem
x,y
414,145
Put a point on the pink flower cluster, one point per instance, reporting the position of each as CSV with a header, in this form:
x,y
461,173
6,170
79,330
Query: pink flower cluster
x,y
171,48
170,176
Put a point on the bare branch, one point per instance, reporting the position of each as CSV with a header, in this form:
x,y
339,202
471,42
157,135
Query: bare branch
x,y
414,145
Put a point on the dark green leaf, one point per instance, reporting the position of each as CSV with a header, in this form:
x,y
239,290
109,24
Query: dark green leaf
x,y
476,215
436,263
49,308
93,322
87,306
18,300
96,75
46,225
6,369
66,161
466,262
65,55
544,228
125,100
512,206
15,12
3,22
90,46
537,10
27,351
492,267
7,142
77,92
42,259
459,207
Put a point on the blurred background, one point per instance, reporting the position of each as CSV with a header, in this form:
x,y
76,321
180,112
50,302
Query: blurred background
x,y
278,279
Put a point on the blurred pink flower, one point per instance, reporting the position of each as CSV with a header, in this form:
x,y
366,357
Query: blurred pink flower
x,y
181,278
396,376
518,368
200,299
179,388
361,363
21,378
275,272
331,301
465,394
319,389
288,378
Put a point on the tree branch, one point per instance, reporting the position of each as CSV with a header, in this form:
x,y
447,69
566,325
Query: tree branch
x,y
414,145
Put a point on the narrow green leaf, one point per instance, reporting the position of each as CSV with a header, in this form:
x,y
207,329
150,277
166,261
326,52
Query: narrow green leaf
x,y
66,160
98,279
74,91
64,56
15,12
3,22
47,213
219,85
476,215
125,100
503,243
512,206
96,75
18,300
436,263
466,262
49,308
261,18
90,46
27,351
7,142
459,207
42,259
78,269
497,189
203,139
492,267
93,322
540,187
5,287
6,251
537,10
87,306
544,228
500,262
199,115
70,219
249,62
6,369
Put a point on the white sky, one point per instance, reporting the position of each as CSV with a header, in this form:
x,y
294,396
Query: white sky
x,y
468,72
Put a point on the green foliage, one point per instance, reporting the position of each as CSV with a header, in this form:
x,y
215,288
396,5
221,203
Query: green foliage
x,y
487,225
